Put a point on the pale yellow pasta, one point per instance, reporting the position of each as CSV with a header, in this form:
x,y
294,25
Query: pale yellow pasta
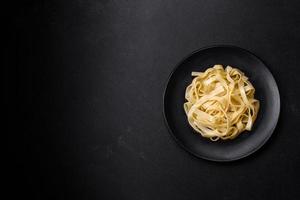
x,y
220,103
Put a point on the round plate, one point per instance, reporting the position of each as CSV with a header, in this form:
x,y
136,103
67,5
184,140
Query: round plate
x,y
266,91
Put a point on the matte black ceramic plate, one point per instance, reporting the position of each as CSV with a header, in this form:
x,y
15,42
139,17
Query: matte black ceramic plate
x,y
266,92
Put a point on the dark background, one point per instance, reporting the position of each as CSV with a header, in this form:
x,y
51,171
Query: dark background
x,y
90,76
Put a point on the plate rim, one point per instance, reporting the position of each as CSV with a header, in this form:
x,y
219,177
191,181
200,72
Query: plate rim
x,y
164,104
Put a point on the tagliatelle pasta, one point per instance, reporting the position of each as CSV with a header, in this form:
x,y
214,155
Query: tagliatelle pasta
x,y
220,103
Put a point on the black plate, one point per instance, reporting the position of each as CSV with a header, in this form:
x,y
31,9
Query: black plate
x,y
266,92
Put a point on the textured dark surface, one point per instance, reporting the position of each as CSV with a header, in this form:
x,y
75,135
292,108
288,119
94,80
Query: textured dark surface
x,y
266,91
90,78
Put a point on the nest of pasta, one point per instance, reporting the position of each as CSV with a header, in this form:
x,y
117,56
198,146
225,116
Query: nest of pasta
x,y
220,103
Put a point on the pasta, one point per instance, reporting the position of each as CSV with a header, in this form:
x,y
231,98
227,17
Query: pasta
x,y
220,103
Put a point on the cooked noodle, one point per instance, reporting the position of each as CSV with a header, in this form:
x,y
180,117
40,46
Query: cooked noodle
x,y
220,103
